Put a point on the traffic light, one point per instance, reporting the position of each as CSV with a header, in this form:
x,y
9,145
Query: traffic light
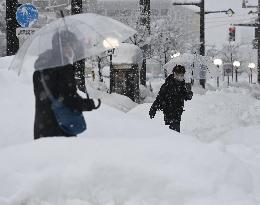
x,y
232,33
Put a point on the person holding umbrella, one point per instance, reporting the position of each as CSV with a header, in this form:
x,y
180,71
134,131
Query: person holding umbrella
x,y
57,83
56,46
171,97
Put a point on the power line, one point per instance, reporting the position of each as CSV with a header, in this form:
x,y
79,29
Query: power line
x,y
222,17
226,20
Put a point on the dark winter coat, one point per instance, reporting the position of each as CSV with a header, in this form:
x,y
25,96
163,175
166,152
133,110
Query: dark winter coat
x,y
170,99
62,85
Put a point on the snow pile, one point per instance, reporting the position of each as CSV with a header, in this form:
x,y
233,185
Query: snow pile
x,y
127,54
16,105
99,90
162,170
214,113
126,158
241,137
5,62
217,112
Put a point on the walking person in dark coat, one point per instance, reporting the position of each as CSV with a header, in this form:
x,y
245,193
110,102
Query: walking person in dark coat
x,y
171,97
61,83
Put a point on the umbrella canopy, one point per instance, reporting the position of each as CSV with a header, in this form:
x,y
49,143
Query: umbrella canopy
x,y
197,66
87,34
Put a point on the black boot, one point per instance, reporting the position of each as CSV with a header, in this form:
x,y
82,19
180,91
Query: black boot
x,y
175,126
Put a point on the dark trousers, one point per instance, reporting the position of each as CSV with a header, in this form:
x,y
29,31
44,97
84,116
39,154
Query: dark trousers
x,y
202,83
175,126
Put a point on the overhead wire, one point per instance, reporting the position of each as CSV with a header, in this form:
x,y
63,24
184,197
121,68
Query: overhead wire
x,y
249,19
220,17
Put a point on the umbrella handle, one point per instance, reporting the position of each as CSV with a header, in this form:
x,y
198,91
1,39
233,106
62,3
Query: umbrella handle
x,y
61,13
99,103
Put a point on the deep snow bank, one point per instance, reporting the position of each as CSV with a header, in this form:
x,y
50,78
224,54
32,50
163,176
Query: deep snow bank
x,y
165,170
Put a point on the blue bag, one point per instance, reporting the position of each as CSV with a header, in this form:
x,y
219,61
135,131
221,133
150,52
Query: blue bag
x,y
70,121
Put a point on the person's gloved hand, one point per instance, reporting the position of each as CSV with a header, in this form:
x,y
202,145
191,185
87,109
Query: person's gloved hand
x,y
189,95
89,104
152,113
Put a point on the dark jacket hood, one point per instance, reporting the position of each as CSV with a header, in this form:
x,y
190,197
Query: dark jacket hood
x,y
50,59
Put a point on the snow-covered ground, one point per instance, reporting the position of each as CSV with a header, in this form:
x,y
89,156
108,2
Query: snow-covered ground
x,y
126,158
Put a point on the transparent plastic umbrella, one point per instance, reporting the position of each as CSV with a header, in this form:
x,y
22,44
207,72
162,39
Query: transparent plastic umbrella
x,y
193,63
90,34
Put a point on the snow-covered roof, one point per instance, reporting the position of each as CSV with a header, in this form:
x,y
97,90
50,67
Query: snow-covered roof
x,y
127,54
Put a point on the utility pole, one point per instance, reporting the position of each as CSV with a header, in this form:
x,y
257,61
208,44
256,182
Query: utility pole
x,y
202,28
12,41
202,36
201,5
76,8
258,44
145,22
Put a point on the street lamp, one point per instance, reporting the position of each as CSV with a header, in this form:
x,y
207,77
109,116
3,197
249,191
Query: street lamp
x,y
110,43
251,66
236,64
218,62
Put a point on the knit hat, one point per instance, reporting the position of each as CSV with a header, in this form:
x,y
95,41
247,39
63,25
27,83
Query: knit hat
x,y
179,69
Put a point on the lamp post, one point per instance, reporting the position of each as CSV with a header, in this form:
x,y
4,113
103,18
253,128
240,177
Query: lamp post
x,y
251,66
218,62
110,44
236,64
